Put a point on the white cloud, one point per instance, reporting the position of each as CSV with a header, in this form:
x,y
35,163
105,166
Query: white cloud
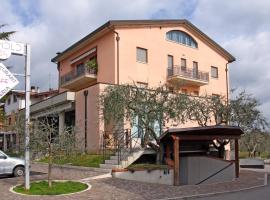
x,y
55,25
241,26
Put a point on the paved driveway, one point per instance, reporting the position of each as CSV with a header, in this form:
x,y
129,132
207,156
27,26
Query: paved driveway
x,y
111,188
262,193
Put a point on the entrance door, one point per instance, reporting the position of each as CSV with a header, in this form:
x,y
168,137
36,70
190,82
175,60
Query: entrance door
x,y
195,70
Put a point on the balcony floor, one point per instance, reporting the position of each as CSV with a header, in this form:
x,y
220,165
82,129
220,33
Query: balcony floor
x,y
184,81
80,82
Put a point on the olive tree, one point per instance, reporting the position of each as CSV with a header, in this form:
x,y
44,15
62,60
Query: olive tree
x,y
242,110
151,105
46,141
245,113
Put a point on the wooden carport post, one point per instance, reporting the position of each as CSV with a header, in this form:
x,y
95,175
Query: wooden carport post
x,y
176,170
236,150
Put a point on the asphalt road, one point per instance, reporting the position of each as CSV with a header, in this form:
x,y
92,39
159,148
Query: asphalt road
x,y
262,193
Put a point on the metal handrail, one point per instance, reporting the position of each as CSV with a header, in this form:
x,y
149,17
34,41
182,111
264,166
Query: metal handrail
x,y
188,73
214,174
77,72
121,143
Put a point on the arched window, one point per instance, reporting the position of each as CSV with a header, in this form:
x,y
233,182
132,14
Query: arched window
x,y
181,37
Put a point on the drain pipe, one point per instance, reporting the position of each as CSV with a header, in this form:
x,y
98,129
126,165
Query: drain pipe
x,y
227,90
85,93
227,84
117,51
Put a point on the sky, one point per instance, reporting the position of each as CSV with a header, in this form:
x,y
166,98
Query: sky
x,y
241,26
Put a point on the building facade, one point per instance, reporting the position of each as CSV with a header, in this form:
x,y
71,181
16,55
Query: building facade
x,y
13,106
149,53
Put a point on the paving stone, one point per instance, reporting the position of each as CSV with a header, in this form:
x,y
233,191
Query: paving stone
x,y
112,188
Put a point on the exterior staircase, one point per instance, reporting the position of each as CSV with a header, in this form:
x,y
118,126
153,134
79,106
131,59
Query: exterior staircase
x,y
122,159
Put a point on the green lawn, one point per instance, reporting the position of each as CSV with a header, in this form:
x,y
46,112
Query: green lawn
x,y
42,188
263,155
85,160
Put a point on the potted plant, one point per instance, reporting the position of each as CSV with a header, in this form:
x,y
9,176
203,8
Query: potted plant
x,y
92,65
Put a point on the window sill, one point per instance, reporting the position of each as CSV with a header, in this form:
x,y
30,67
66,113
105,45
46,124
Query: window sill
x,y
142,62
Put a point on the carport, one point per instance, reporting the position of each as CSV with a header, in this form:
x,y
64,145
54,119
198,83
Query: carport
x,y
199,140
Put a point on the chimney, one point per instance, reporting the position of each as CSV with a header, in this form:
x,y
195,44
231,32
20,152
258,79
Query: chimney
x,y
33,89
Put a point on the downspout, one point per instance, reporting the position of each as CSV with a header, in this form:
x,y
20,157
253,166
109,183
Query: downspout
x,y
85,93
227,84
59,77
227,91
117,51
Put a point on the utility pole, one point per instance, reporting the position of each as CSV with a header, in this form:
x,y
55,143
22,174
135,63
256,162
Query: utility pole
x,y
27,116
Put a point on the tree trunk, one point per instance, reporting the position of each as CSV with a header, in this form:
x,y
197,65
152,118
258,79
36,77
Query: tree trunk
x,y
50,167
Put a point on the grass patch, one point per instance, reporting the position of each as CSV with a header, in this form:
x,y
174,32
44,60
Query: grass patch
x,y
263,155
147,166
42,188
85,160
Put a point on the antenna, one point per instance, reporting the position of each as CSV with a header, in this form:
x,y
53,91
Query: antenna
x,y
50,81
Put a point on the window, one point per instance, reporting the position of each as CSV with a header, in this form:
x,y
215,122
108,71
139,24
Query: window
x,y
80,69
170,62
216,95
195,70
142,85
196,93
142,55
170,65
183,64
182,38
214,72
8,101
184,91
14,98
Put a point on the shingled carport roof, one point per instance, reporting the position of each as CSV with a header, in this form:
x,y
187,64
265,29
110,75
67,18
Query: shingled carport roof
x,y
203,133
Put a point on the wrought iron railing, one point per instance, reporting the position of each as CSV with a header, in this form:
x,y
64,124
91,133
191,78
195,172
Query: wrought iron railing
x,y
188,73
77,72
120,143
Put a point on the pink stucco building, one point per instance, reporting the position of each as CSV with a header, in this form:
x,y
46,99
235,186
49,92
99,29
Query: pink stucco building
x,y
147,52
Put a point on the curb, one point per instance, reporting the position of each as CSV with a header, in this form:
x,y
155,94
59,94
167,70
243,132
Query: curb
x,y
35,195
218,193
77,167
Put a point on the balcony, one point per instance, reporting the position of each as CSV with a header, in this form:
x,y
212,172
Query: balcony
x,y
187,76
79,78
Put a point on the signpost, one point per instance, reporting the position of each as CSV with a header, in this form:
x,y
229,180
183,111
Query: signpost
x,y
7,80
7,48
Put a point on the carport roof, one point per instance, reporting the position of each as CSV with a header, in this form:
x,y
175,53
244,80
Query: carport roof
x,y
203,133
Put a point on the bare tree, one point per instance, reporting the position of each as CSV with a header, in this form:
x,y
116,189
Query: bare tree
x,y
46,141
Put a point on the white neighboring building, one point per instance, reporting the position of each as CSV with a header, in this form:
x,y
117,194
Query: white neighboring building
x,y
16,99
14,103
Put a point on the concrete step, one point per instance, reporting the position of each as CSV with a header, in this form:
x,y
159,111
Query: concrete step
x,y
114,158
103,170
114,162
109,166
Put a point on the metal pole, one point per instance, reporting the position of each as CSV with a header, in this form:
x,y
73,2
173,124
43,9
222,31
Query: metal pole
x,y
27,116
85,120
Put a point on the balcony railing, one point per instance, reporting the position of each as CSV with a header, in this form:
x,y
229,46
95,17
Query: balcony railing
x,y
188,73
76,73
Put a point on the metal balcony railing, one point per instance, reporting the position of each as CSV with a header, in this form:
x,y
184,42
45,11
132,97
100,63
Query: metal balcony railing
x,y
188,73
77,72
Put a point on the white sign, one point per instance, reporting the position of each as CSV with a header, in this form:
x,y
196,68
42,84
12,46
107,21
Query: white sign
x,y
7,80
8,47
